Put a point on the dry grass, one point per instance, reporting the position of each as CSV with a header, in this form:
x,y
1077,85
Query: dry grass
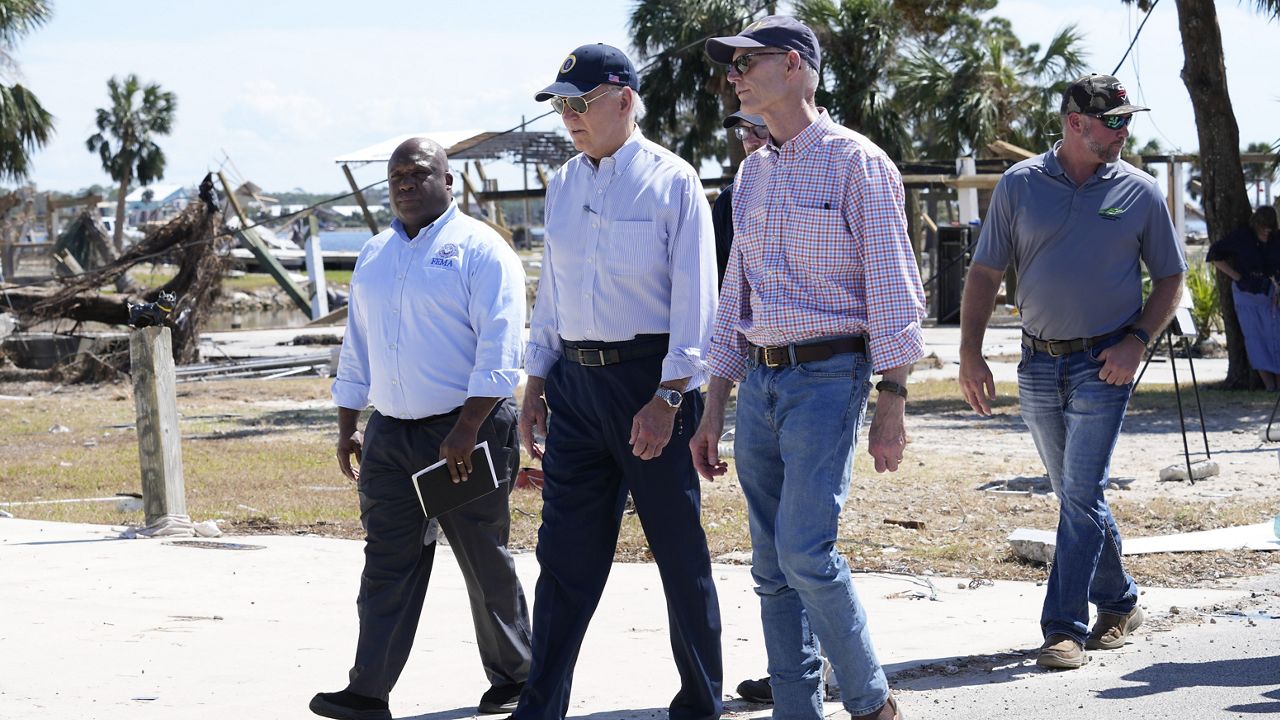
x,y
259,455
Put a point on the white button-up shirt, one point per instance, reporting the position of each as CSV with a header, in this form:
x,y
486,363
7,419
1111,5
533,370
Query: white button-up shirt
x,y
629,251
432,320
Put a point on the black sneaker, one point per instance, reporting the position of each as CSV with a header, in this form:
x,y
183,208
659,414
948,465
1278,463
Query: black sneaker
x,y
500,699
347,705
756,691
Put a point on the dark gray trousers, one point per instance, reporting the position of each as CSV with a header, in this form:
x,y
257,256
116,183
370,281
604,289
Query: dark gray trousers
x,y
397,564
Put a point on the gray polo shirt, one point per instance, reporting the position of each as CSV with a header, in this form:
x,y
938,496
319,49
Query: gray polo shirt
x,y
1076,248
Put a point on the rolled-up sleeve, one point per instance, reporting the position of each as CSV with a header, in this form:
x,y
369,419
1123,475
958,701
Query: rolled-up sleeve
x,y
692,264
895,296
497,310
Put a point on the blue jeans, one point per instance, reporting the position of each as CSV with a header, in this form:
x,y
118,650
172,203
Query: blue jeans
x,y
794,449
1075,420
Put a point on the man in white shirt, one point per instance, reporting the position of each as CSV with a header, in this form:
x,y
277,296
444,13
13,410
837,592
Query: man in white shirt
x,y
624,305
434,343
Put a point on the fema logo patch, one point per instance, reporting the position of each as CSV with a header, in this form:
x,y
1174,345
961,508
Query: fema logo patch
x,y
445,257
568,64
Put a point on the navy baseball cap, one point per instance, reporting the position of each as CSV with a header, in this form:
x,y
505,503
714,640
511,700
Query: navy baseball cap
x,y
734,119
1096,94
589,66
778,31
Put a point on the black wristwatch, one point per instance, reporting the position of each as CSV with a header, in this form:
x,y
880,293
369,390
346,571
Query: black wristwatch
x,y
893,387
1143,336
672,398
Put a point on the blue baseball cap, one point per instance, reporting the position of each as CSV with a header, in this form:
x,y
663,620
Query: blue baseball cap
x,y
589,66
732,120
777,31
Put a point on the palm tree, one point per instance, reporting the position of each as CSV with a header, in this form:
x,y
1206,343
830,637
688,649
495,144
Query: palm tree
x,y
686,94
1259,174
859,41
984,85
24,124
1226,201
124,140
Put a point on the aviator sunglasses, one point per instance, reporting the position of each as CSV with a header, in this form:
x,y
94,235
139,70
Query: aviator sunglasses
x,y
577,103
742,132
1114,122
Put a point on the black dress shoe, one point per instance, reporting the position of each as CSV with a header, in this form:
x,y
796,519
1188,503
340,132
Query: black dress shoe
x,y
756,691
500,699
347,705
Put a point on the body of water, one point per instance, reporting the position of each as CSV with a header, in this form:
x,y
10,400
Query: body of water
x,y
347,239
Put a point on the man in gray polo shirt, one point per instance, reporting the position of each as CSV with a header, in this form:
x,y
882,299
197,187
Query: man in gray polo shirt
x,y
1075,222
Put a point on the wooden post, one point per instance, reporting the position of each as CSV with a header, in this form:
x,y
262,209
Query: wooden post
x,y
315,271
159,445
50,221
364,207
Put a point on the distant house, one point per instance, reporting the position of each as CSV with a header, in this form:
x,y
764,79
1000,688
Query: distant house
x,y
154,203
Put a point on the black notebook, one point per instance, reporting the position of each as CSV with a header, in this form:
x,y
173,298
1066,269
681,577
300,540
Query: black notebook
x,y
439,494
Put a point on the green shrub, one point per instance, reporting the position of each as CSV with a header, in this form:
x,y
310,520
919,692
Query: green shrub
x,y
1206,310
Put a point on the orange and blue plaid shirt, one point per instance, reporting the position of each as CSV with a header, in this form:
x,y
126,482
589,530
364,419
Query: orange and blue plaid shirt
x,y
820,250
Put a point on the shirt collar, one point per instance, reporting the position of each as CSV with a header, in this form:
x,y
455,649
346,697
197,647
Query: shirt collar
x,y
430,231
1105,171
621,157
810,136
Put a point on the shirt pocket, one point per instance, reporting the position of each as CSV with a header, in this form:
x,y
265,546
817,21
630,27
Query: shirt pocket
x,y
818,244
636,247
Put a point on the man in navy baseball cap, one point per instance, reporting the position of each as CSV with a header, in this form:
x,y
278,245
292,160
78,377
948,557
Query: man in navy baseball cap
x,y
775,31
588,67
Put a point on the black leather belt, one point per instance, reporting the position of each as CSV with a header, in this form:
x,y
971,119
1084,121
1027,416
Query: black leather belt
x,y
1058,348
589,353
776,356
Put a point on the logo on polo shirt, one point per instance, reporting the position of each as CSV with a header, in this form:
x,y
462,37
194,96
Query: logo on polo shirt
x,y
445,256
1112,213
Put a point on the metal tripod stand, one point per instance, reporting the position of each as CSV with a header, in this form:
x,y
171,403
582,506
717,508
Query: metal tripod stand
x,y
1167,338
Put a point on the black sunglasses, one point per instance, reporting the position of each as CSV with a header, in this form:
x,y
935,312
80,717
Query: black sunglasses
x,y
743,62
577,103
743,131
1114,122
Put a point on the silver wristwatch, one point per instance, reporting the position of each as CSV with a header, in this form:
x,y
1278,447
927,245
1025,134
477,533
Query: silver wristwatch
x,y
672,398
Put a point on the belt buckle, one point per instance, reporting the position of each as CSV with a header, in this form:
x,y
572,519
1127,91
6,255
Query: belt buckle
x,y
583,357
772,364
1049,345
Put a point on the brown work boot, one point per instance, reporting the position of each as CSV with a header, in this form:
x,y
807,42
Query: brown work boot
x,y
1111,630
1061,652
888,711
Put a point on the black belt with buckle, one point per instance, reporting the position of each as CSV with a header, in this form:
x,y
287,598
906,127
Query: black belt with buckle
x,y
776,356
1058,348
589,353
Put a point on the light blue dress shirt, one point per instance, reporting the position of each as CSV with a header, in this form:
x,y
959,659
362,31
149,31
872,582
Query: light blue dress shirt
x,y
432,320
629,251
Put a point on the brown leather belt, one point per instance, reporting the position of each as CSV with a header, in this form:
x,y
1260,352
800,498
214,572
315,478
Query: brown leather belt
x,y
1058,348
589,353
776,356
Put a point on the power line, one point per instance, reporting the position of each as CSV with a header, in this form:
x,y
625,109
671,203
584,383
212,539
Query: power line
x,y
1136,36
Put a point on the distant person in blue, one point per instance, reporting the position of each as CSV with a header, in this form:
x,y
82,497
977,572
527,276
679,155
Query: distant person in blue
x,y
624,308
1076,222
434,344
1250,256
751,131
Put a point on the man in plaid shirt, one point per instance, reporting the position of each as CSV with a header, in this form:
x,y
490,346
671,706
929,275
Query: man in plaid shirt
x,y
821,292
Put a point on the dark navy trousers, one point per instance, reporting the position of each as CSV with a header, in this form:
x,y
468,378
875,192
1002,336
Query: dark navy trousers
x,y
589,470
397,565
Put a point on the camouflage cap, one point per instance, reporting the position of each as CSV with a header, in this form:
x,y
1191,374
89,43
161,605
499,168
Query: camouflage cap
x,y
1096,94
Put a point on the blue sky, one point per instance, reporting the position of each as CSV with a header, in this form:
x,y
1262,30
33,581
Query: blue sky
x,y
283,87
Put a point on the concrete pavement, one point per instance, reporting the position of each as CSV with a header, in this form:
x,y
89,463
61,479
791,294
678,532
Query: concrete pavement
x,y
101,628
